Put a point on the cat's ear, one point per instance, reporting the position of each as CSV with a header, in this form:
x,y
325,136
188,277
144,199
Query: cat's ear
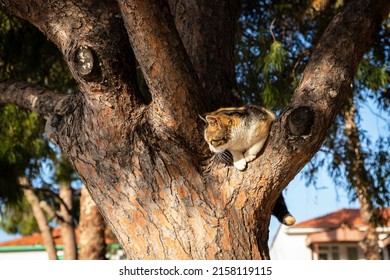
x,y
202,118
212,120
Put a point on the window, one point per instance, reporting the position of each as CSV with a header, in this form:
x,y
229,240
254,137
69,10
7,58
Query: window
x,y
322,256
335,253
341,251
352,253
328,252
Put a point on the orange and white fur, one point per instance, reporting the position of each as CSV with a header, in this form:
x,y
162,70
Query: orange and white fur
x,y
241,131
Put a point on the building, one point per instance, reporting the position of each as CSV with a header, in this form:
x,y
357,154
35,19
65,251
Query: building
x,y
31,247
335,236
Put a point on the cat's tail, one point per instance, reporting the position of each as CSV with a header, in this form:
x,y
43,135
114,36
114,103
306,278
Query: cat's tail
x,y
288,220
281,212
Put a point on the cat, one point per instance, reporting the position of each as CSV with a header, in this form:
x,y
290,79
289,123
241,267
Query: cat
x,y
243,131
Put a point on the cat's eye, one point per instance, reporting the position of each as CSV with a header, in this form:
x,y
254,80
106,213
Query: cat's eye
x,y
218,142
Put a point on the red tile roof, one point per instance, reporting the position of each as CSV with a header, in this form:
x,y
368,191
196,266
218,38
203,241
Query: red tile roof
x,y
349,217
36,239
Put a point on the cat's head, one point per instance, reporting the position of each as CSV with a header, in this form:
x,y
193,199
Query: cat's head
x,y
217,131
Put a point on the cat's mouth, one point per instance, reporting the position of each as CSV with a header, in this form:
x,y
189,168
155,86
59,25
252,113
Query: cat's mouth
x,y
215,150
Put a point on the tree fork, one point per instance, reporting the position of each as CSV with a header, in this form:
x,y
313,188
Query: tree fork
x,y
167,68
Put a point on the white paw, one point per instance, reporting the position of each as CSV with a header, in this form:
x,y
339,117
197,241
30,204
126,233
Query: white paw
x,y
249,158
240,165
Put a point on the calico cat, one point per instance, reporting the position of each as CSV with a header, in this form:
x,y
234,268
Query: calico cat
x,y
243,131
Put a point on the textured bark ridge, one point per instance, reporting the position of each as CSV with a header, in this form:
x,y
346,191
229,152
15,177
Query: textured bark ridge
x,y
143,164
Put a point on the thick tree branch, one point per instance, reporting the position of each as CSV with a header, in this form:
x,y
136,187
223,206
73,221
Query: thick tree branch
x,y
91,229
166,66
94,44
210,46
325,85
31,97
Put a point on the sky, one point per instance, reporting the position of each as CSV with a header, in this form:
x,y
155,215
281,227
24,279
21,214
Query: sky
x,y
304,202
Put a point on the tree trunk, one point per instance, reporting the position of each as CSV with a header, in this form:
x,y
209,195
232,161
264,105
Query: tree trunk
x,y
146,165
358,175
91,228
66,223
39,215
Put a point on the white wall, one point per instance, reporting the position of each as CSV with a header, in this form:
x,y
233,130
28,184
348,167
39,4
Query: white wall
x,y
289,247
32,255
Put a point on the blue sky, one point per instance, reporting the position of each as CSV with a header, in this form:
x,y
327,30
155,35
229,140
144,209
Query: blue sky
x,y
4,236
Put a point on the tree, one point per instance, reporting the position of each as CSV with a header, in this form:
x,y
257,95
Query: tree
x,y
144,161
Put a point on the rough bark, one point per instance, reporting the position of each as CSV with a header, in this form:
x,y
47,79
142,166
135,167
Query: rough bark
x,y
39,215
32,97
91,229
168,72
358,175
143,163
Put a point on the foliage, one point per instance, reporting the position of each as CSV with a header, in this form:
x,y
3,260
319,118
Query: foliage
x,y
17,218
21,148
26,54
273,45
337,158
